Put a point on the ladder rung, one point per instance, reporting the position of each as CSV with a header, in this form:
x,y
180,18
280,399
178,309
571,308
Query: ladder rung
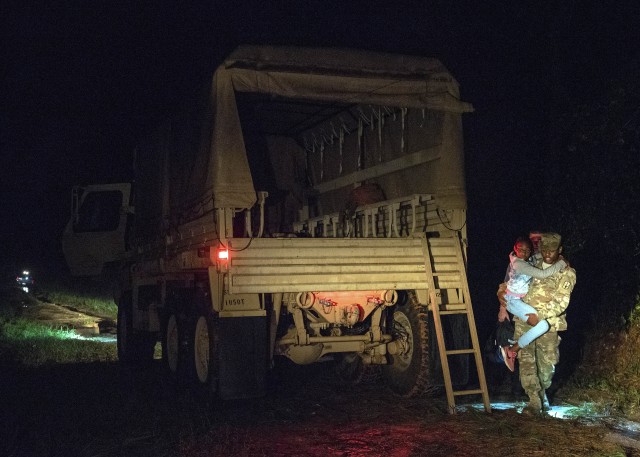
x,y
467,392
446,279
454,311
460,351
452,308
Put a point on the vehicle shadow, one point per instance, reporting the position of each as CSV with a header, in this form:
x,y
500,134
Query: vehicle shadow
x,y
110,409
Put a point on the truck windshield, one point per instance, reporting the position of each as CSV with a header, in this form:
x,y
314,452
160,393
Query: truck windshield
x,y
100,212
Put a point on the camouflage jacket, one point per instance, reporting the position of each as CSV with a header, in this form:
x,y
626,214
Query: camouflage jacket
x,y
550,297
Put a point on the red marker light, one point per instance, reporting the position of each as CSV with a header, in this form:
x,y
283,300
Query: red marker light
x,y
223,254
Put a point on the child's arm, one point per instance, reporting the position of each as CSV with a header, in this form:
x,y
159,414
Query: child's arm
x,y
522,267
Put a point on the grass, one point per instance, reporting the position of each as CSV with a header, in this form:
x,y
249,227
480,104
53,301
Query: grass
x,y
89,296
610,370
94,305
27,342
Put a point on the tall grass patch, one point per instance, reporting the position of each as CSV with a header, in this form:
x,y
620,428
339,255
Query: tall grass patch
x,y
32,344
93,296
95,305
610,370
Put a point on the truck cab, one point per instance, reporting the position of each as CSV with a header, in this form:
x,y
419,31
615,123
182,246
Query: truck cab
x,y
96,234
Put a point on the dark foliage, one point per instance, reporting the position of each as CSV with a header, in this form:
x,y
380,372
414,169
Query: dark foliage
x,y
592,183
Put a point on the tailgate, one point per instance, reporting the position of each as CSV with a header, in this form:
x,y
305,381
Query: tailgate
x,y
271,265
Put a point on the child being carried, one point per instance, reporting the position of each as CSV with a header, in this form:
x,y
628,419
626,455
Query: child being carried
x,y
519,275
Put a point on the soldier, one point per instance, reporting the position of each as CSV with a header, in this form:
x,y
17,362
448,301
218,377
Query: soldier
x,y
550,297
519,276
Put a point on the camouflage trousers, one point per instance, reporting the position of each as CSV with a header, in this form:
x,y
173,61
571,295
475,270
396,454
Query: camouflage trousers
x,y
537,362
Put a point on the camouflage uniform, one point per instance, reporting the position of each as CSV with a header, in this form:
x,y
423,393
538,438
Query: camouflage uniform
x,y
550,298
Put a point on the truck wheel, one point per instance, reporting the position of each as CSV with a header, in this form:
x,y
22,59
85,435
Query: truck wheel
x,y
408,373
134,347
172,356
203,354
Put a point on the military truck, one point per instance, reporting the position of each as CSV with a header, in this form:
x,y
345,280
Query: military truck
x,y
299,212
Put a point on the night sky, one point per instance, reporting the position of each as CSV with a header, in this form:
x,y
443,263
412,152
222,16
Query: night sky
x,y
81,81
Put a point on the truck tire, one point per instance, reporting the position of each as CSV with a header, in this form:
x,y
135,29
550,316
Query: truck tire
x,y
134,347
203,355
172,348
409,374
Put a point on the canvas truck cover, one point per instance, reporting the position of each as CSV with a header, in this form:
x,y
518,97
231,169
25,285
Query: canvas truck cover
x,y
199,162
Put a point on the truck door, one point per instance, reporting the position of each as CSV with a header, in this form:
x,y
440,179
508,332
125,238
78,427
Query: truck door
x,y
96,233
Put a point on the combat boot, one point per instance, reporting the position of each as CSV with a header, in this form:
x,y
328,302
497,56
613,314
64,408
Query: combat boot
x,y
533,408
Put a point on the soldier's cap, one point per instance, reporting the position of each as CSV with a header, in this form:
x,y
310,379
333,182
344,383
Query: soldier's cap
x,y
550,241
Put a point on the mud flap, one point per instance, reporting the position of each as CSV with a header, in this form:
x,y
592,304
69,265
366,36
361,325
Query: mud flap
x,y
243,358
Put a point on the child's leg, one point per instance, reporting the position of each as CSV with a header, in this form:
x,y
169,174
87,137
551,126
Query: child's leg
x,y
534,332
519,308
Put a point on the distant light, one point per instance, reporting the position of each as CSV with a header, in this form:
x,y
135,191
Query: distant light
x,y
25,272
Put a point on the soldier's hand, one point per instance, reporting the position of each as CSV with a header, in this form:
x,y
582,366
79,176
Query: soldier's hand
x,y
502,291
503,314
532,319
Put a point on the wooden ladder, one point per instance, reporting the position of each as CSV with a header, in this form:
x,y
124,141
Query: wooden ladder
x,y
449,295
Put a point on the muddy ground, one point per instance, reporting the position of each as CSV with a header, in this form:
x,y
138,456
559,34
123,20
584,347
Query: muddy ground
x,y
106,409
